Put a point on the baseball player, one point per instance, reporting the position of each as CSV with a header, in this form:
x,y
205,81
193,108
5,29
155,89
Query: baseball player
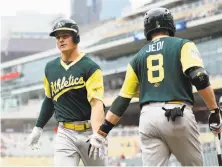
x,y
74,93
161,75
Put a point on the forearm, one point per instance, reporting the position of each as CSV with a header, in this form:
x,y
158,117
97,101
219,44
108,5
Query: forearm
x,y
117,109
208,96
46,112
113,116
110,121
97,114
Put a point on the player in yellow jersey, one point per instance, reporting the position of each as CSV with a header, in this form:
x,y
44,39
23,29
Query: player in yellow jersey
x,y
161,75
74,94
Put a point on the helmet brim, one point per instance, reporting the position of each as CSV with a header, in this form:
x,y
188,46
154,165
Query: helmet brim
x,y
53,33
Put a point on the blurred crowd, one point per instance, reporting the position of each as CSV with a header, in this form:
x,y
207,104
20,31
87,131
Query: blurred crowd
x,y
125,27
122,138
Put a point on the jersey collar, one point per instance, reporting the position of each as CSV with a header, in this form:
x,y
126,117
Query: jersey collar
x,y
159,36
66,67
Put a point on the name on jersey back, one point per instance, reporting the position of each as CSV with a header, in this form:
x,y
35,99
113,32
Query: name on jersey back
x,y
156,46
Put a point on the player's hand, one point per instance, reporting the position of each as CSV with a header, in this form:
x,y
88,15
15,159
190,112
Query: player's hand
x,y
98,147
174,112
34,138
215,123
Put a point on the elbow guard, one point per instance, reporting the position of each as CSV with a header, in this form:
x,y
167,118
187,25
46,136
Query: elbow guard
x,y
198,77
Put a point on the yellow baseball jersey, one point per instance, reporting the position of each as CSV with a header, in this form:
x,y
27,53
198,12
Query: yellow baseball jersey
x,y
156,74
71,87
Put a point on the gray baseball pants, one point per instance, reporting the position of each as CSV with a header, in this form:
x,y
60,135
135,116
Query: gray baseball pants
x,y
160,138
70,146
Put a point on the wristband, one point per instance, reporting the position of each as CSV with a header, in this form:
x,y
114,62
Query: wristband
x,y
105,128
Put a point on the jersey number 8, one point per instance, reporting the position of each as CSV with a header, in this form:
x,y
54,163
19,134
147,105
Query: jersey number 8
x,y
151,68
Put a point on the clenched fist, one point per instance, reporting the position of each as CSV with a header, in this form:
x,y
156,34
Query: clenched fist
x,y
215,122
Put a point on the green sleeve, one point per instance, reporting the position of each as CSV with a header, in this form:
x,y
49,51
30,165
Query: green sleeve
x,y
120,105
46,112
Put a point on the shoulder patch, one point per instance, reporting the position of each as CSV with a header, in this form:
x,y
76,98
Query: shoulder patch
x,y
196,54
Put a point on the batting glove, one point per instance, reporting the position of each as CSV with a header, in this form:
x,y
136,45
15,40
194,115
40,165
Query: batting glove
x,y
174,112
34,138
215,123
97,147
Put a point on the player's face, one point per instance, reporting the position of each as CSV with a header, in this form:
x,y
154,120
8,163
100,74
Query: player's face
x,y
64,41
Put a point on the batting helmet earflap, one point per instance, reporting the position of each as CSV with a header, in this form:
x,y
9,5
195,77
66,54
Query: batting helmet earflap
x,y
158,19
66,24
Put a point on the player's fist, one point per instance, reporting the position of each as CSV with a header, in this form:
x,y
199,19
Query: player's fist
x,y
215,122
34,137
97,147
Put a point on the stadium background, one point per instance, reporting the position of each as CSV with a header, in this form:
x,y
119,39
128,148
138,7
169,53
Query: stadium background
x,y
112,43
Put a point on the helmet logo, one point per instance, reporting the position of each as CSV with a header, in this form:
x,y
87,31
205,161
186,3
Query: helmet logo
x,y
157,24
60,24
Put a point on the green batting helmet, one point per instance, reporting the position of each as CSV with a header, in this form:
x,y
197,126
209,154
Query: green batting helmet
x,y
66,24
158,19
